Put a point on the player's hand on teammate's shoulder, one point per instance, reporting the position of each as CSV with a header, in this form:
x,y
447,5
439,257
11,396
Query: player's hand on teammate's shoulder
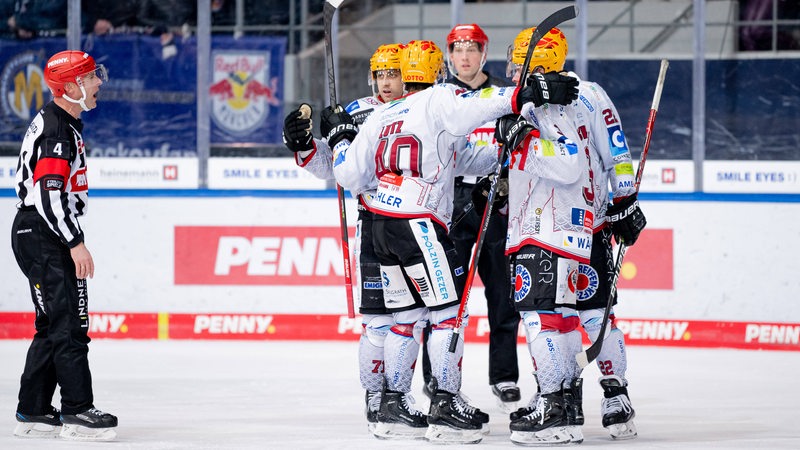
x,y
552,87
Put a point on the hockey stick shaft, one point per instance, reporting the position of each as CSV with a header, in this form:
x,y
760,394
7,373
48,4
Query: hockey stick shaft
x,y
591,353
328,11
550,22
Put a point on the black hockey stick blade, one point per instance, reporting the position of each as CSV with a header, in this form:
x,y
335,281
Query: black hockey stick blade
x,y
328,11
544,27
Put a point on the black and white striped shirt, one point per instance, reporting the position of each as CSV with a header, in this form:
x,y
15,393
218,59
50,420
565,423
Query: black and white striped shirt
x,y
51,172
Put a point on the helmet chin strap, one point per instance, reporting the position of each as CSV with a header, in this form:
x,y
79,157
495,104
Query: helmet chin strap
x,y
82,101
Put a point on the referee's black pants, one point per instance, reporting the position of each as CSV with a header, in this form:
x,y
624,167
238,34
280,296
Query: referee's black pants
x,y
493,269
59,351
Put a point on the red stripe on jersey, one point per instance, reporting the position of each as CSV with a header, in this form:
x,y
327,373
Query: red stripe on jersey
x,y
51,166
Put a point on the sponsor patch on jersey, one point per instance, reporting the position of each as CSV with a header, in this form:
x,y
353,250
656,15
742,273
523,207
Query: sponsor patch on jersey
x,y
375,285
56,148
577,241
359,117
587,103
583,218
616,141
52,182
588,282
522,282
623,169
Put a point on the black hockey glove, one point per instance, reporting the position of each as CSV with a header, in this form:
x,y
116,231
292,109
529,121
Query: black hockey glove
x,y
550,87
480,193
337,124
510,130
297,130
626,219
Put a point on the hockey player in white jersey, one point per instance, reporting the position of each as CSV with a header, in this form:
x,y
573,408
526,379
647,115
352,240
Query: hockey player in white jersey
x,y
599,130
315,156
408,152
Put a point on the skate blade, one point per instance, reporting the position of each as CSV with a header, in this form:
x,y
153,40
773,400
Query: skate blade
x,y
36,430
575,434
548,436
440,434
81,433
485,429
622,431
384,430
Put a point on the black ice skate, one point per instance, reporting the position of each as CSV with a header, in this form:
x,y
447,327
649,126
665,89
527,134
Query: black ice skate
x,y
47,425
397,419
573,403
89,425
373,405
507,394
546,425
616,408
452,420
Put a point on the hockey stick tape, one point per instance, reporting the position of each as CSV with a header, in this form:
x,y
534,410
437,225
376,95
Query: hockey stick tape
x,y
305,111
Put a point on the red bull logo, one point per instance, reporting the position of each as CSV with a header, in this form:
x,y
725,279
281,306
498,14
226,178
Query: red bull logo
x,y
241,91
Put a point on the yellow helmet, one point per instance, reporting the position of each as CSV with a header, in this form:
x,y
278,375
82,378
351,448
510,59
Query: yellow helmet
x,y
550,53
421,62
386,57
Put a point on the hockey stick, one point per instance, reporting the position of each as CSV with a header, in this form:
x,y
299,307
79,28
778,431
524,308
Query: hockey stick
x,y
328,11
550,22
590,354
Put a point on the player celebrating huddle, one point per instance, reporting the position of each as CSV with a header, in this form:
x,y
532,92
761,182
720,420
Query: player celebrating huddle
x,y
601,130
315,156
406,151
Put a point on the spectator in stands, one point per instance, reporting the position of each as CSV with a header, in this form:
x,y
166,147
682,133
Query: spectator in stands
x,y
167,19
33,18
6,14
110,16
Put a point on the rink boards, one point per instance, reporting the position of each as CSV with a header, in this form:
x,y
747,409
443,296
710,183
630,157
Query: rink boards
x,y
709,271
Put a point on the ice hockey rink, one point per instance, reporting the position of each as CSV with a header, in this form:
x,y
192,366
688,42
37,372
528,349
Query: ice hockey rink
x,y
306,395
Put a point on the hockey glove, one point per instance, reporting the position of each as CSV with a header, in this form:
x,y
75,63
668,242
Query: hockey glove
x,y
297,130
510,130
626,219
337,124
551,87
480,193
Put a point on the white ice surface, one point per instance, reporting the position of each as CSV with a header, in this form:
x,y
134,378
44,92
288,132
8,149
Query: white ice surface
x,y
306,395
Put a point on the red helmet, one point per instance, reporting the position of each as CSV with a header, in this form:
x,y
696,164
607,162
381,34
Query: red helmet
x,y
467,32
66,67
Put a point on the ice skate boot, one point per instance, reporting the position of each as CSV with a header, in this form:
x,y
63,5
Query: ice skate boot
x,y
546,425
373,405
452,420
47,425
573,403
397,419
89,425
507,394
616,408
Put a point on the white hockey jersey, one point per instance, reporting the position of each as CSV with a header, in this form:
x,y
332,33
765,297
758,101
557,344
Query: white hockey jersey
x,y
550,202
410,150
319,161
599,126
